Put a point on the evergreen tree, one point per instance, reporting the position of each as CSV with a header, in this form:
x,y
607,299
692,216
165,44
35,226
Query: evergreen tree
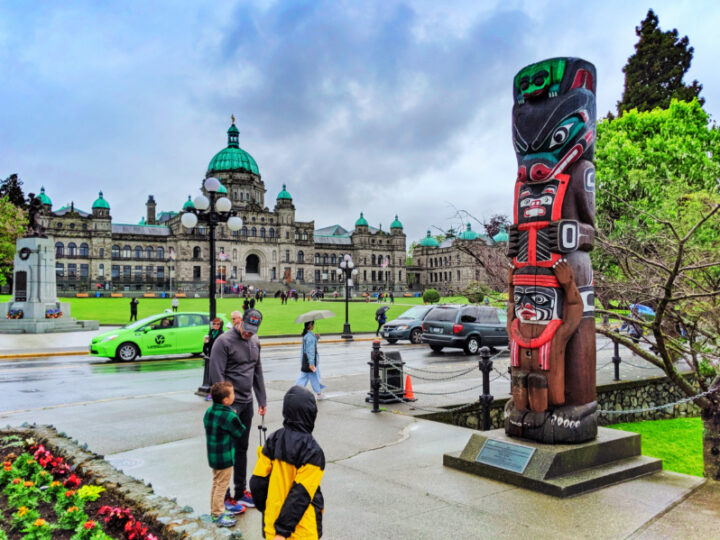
x,y
11,188
654,74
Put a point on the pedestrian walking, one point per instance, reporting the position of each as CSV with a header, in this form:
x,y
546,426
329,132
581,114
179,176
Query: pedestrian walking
x,y
133,309
381,319
286,481
215,330
222,428
392,297
175,304
235,357
309,368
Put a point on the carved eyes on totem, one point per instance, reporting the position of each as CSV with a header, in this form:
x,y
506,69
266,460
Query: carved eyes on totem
x,y
538,80
559,136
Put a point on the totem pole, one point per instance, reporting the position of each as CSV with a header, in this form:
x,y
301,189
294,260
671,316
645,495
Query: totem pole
x,y
550,314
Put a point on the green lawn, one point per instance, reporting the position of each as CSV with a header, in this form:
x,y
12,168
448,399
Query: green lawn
x,y
678,442
278,319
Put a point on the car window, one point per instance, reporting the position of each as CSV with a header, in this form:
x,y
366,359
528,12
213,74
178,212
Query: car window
x,y
442,314
417,312
139,324
163,324
468,315
502,315
191,319
488,315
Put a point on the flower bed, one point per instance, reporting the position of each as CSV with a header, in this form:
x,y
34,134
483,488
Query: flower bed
x,y
50,488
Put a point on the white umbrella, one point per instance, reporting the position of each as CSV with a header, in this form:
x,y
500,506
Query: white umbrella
x,y
314,315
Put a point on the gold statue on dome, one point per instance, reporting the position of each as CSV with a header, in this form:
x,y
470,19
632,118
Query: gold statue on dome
x,y
232,117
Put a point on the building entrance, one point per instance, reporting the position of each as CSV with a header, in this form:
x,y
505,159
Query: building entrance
x,y
252,264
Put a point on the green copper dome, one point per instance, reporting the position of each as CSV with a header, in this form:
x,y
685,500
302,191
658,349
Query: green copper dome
x,y
188,204
500,237
100,202
468,234
429,241
233,157
361,221
396,224
44,198
284,194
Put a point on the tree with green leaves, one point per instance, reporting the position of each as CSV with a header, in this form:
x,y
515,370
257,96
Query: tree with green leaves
x,y
11,188
654,74
12,226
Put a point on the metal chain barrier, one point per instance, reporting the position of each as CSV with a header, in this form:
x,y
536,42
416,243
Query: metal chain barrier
x,y
459,408
658,407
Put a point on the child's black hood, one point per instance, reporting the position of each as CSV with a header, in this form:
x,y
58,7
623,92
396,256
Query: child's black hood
x,y
299,410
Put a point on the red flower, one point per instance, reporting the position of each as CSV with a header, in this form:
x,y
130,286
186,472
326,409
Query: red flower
x,y
89,525
69,493
72,481
17,480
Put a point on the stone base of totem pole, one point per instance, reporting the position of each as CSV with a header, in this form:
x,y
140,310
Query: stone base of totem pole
x,y
560,470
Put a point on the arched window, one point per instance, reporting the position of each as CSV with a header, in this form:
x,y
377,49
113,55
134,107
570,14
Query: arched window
x,y
325,258
300,256
253,231
84,250
297,235
149,252
196,252
304,235
72,249
127,252
160,253
59,249
138,252
317,258
333,260
244,231
262,232
271,232
372,260
115,252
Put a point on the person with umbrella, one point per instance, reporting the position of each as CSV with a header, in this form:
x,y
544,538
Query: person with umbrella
x,y
381,318
309,369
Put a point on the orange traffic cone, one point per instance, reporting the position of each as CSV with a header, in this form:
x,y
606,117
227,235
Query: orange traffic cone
x,y
409,396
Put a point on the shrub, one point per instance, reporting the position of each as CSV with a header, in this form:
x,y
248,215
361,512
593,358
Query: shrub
x,y
475,292
431,296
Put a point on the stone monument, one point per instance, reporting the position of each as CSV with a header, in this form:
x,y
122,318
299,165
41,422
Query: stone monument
x,y
34,307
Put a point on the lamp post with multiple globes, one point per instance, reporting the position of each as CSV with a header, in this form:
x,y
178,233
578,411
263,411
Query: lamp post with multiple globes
x,y
212,211
348,270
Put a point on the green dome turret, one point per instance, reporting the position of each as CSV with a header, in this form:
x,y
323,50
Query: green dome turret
x,y
501,237
429,241
233,157
222,190
188,204
361,221
396,224
44,198
468,234
100,203
284,194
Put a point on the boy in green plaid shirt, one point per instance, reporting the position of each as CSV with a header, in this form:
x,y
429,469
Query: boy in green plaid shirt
x,y
222,425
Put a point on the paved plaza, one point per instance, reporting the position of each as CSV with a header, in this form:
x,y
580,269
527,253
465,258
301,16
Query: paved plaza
x,y
384,476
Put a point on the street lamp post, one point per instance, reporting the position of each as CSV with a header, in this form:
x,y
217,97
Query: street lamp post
x,y
213,212
348,270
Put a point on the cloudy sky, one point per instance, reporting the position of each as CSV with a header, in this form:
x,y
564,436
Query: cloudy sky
x,y
381,107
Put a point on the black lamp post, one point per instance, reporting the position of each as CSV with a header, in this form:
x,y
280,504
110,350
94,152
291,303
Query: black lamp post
x,y
348,270
212,211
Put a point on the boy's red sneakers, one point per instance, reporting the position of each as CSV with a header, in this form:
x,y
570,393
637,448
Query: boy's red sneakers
x,y
246,499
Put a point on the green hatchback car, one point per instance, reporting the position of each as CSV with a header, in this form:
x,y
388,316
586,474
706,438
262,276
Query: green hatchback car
x,y
161,334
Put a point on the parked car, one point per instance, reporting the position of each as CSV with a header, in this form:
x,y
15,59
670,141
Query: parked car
x,y
406,326
161,334
466,327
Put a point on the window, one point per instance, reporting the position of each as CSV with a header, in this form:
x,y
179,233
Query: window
x,y
191,319
72,270
253,232
317,275
149,253
373,275
84,226
262,232
300,273
304,235
271,233
160,272
235,234
72,249
160,253
126,252
244,231
372,260
138,272
148,272
101,252
333,260
196,252
234,273
297,236
72,225
399,275
127,271
364,275
287,235
325,258
84,250
196,272
300,256
115,252
138,252
59,269
287,255
101,270
59,225
59,249
114,271
458,275
84,270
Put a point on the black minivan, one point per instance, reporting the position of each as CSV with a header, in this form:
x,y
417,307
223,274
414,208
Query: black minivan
x,y
466,327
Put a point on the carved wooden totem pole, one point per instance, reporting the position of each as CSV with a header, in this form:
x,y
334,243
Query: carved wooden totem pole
x,y
550,313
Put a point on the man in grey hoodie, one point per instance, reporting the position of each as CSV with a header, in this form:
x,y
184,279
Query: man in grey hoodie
x,y
235,357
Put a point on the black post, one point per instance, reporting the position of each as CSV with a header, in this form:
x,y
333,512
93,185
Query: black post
x,y
485,365
212,220
346,272
375,355
616,360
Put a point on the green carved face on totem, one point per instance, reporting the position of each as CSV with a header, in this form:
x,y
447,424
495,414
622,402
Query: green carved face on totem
x,y
539,79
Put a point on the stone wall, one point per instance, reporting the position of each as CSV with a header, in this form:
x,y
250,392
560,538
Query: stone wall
x,y
616,396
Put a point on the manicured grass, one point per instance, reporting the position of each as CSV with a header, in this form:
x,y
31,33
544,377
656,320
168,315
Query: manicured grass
x,y
678,442
278,319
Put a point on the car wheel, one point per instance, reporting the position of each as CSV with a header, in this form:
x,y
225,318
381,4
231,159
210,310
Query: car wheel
x,y
127,352
436,348
391,341
472,345
416,336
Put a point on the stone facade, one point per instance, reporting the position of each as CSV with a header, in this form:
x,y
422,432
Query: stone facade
x,y
272,250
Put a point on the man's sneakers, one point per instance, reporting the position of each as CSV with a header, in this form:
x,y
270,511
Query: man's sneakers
x,y
246,499
224,520
235,507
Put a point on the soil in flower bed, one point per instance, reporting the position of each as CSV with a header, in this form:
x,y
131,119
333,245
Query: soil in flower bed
x,y
91,509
